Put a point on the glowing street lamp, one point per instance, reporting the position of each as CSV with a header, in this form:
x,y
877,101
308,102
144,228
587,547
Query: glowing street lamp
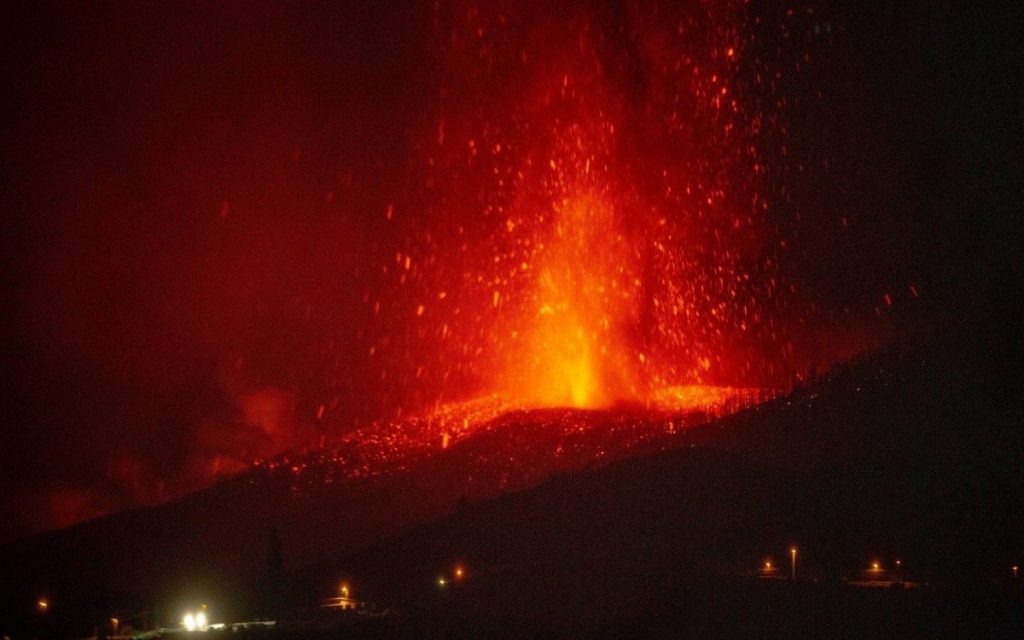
x,y
876,567
441,582
459,573
43,605
114,624
344,590
1015,570
792,555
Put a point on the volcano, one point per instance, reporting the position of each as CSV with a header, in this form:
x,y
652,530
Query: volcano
x,y
581,318
372,483
562,498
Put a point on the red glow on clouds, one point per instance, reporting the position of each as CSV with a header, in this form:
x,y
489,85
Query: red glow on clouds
x,y
511,207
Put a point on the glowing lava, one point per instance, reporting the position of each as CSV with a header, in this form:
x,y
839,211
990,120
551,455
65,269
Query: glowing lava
x,y
594,232
585,299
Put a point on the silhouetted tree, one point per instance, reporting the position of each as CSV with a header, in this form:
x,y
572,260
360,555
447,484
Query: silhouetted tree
x,y
270,590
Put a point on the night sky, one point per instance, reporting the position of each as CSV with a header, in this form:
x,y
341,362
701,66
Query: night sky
x,y
198,199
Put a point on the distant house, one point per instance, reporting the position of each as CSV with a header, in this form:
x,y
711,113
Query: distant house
x,y
342,602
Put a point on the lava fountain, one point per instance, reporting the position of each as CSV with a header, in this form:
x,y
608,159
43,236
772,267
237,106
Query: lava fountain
x,y
585,298
592,222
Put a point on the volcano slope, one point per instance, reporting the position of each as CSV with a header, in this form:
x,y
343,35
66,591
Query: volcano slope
x,y
912,453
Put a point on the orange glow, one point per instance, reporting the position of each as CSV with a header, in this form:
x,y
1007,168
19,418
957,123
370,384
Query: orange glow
x,y
43,605
606,275
582,253
710,399
459,572
582,298
581,210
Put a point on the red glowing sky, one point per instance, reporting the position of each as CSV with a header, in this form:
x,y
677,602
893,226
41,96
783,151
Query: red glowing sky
x,y
239,229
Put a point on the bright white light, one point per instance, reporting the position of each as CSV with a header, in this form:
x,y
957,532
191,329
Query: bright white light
x,y
195,621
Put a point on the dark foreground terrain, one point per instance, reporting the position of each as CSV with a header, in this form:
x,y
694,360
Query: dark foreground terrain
x,y
911,455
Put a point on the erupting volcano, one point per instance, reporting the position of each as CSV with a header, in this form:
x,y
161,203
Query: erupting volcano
x,y
582,206
465,318
583,260
594,230
585,243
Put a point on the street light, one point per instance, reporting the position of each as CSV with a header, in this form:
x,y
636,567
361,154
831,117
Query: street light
x,y
792,554
1015,569
42,605
441,582
344,590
